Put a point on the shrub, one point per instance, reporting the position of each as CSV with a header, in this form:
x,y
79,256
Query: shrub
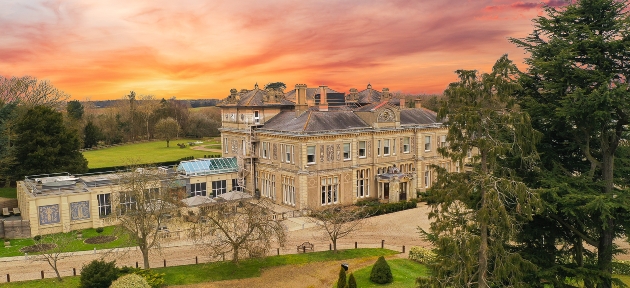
x,y
99,230
154,279
341,282
98,274
352,283
421,255
381,273
130,281
37,238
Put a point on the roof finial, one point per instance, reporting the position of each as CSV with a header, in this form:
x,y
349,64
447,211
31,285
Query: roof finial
x,y
256,85
369,86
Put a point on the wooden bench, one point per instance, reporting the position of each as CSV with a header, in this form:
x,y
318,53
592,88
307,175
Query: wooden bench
x,y
305,246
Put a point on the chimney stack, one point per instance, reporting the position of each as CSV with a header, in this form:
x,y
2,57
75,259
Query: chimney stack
x,y
386,93
417,103
300,99
323,99
402,103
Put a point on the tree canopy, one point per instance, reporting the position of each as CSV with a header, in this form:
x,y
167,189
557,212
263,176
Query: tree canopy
x,y
576,91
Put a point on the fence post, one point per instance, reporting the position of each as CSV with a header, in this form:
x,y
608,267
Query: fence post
x,y
382,244
136,264
355,245
304,249
8,278
196,260
42,274
403,249
74,271
329,246
223,256
164,262
278,251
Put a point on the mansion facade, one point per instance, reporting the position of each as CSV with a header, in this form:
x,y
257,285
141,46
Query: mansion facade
x,y
313,147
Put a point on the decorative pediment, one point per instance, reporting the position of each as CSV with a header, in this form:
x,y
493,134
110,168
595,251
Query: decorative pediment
x,y
386,115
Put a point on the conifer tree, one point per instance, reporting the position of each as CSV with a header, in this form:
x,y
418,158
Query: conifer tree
x,y
576,91
475,214
381,272
352,283
341,282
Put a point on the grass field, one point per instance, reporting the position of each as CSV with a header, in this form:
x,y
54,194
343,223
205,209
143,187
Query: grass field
x,y
144,153
75,245
190,274
404,271
8,192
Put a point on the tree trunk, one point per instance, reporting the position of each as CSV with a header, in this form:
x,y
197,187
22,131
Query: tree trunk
x,y
57,271
145,257
604,249
334,244
483,227
235,254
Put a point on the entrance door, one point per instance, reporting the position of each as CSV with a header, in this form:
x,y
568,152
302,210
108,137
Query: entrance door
x,y
403,191
386,190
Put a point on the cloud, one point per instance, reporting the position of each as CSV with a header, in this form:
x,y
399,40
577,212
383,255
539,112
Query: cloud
x,y
526,5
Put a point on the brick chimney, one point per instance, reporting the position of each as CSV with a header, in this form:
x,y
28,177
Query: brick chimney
x,y
417,103
300,99
402,103
323,99
386,94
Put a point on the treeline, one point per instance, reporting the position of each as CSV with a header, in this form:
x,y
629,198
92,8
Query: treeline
x,y
192,103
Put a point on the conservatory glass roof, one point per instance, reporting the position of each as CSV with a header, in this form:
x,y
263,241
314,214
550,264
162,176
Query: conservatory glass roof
x,y
206,166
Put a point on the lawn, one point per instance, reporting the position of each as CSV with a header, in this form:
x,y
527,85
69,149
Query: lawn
x,y
144,153
75,245
190,274
405,272
8,192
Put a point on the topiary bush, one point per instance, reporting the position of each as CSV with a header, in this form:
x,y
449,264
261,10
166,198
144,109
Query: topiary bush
x,y
99,230
352,283
341,282
99,274
130,281
381,273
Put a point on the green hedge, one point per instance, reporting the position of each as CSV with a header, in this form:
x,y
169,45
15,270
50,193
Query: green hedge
x,y
380,209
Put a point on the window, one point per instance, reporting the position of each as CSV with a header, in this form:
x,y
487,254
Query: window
x,y
346,151
330,190
267,185
288,190
469,153
427,177
378,148
442,141
457,166
236,187
127,203
104,204
265,150
310,154
406,145
363,183
256,117
427,143
226,147
386,147
288,150
219,187
362,153
198,189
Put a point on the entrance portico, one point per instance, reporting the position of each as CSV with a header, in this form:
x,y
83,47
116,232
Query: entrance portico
x,y
394,186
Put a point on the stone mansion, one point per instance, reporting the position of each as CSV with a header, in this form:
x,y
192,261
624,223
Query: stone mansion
x,y
313,147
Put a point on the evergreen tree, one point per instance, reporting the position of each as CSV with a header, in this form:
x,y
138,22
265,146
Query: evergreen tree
x,y
381,273
352,283
92,134
44,145
576,91
75,110
341,282
7,153
476,214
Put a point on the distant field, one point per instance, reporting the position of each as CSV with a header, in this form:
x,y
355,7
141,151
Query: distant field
x,y
143,153
8,192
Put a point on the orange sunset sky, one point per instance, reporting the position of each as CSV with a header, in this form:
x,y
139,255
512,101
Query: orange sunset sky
x,y
195,49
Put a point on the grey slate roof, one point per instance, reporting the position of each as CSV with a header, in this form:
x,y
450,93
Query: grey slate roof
x,y
417,116
310,93
369,95
314,121
255,98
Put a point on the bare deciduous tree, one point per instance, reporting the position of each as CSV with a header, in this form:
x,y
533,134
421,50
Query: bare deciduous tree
x,y
338,221
238,226
145,198
55,246
29,91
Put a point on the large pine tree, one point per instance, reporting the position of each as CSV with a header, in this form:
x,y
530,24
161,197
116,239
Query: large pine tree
x,y
476,214
44,145
576,91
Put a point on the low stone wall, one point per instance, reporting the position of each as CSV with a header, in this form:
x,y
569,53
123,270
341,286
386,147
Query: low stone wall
x,y
8,203
15,229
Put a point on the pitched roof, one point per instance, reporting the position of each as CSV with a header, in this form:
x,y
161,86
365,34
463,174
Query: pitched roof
x,y
369,95
255,97
314,121
417,116
310,93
